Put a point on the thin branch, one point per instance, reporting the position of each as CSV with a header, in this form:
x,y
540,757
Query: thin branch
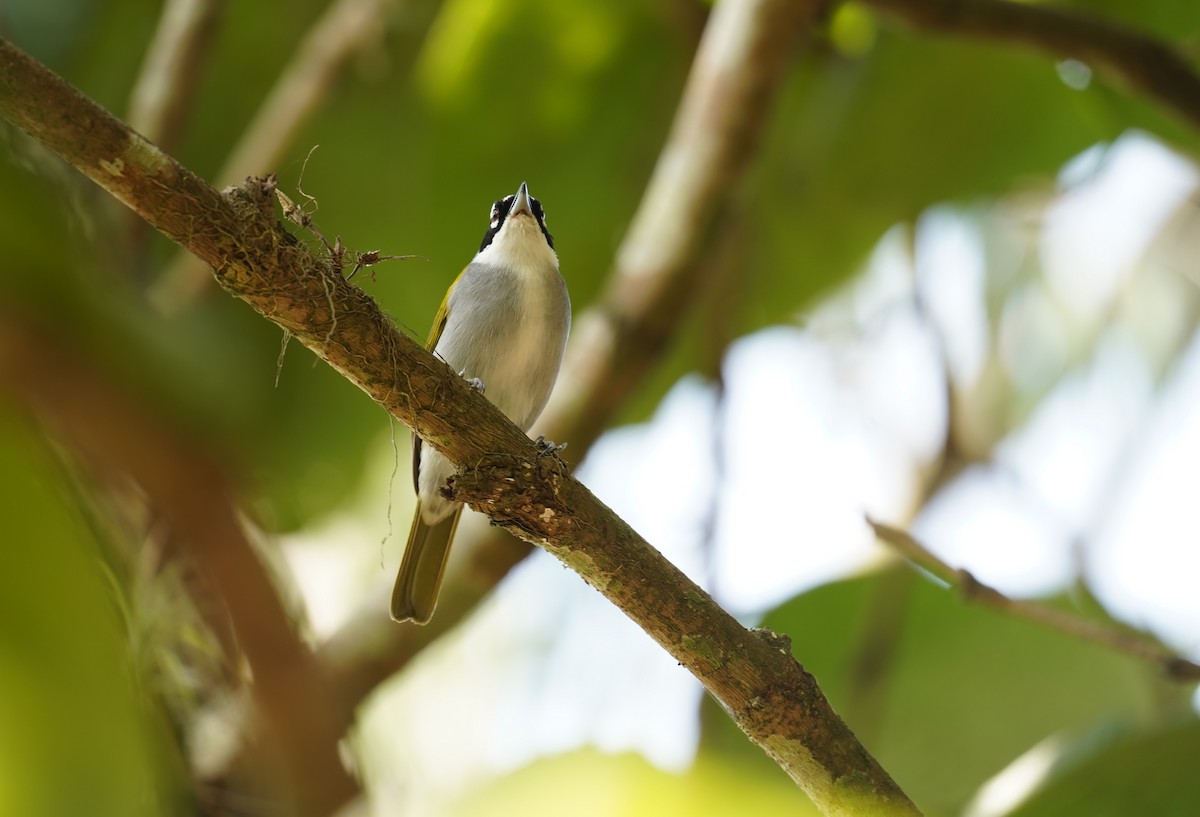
x,y
170,73
767,693
1139,61
345,28
971,589
190,491
662,268
337,37
720,309
875,649
690,16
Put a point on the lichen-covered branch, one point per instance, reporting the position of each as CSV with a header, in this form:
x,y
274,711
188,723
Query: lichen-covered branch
x,y
770,696
345,28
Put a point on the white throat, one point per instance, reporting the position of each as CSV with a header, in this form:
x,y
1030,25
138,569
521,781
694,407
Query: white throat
x,y
519,245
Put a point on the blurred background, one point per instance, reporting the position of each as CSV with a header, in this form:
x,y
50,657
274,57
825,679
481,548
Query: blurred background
x,y
955,288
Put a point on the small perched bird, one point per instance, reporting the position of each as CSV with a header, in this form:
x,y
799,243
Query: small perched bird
x,y
503,325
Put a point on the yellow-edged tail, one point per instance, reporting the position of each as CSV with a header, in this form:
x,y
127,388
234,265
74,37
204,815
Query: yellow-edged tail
x,y
420,578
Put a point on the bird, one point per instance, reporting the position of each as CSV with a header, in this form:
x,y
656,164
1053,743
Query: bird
x,y
503,326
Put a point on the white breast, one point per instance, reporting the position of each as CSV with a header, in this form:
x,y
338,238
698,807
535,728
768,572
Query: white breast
x,y
507,324
509,316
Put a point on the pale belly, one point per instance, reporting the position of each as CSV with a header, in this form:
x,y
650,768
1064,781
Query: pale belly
x,y
511,337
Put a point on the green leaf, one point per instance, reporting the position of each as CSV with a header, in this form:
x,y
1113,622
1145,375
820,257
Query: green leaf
x,y
860,145
1148,774
590,784
1175,21
946,694
80,736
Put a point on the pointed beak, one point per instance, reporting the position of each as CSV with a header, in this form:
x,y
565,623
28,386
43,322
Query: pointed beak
x,y
521,202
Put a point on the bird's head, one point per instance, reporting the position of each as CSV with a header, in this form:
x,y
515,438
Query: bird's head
x,y
517,234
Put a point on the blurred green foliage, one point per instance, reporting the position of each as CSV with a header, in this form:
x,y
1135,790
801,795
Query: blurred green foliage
x,y
80,734
591,784
456,104
1152,773
1175,20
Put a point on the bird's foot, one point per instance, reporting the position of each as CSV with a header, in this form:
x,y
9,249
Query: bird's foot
x,y
473,382
547,448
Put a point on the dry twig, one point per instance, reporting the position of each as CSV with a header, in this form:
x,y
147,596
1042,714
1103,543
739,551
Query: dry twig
x,y
971,589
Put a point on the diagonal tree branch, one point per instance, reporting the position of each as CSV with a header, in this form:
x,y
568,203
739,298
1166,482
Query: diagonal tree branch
x,y
1137,60
768,694
1175,667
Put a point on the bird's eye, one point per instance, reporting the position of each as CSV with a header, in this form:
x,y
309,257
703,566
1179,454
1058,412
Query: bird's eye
x,y
500,210
538,211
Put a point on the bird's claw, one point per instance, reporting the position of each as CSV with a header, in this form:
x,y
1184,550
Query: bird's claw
x,y
548,448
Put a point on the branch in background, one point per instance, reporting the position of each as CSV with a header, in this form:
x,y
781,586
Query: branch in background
x,y
767,693
1175,667
163,93
1137,60
170,73
662,268
690,16
338,36
345,28
191,493
874,651
719,310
